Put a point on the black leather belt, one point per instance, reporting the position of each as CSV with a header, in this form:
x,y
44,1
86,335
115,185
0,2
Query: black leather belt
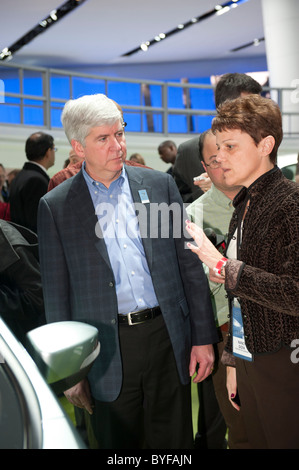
x,y
134,318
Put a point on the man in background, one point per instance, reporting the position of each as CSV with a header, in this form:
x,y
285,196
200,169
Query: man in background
x,y
31,183
187,164
168,152
74,158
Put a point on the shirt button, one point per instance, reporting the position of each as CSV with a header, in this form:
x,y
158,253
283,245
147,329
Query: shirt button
x,y
133,273
111,284
125,246
113,321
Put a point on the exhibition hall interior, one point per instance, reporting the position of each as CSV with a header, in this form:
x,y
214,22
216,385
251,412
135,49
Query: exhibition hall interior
x,y
160,63
155,61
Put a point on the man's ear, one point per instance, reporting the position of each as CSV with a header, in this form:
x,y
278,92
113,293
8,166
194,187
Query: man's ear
x,y
267,144
48,153
203,164
78,148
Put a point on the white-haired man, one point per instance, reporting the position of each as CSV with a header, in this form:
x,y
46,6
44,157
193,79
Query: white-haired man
x,y
99,264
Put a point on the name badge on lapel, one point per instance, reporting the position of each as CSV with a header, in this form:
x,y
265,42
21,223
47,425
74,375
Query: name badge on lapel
x,y
143,196
239,346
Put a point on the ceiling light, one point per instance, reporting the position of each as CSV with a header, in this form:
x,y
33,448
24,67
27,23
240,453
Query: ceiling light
x,y
53,17
255,42
144,46
217,10
223,10
5,53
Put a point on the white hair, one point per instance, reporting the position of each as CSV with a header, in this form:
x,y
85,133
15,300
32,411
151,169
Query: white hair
x,y
79,116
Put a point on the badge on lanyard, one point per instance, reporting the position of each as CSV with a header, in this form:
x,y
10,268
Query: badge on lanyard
x,y
239,346
143,196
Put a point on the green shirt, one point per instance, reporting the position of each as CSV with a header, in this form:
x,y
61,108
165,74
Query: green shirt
x,y
214,210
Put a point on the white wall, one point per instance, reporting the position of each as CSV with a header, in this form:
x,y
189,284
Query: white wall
x,y
13,138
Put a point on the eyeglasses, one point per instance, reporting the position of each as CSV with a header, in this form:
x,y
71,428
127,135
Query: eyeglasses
x,y
55,149
213,164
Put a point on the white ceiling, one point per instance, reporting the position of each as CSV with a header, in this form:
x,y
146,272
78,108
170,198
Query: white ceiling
x,y
99,32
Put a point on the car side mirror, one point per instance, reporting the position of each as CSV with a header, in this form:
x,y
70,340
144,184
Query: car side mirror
x,y
64,352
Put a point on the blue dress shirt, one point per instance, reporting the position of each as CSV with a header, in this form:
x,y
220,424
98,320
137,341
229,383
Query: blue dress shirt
x,y
115,210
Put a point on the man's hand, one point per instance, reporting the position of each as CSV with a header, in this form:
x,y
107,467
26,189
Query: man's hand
x,y
79,395
204,357
204,184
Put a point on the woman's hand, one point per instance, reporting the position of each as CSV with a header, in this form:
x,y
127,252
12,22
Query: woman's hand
x,y
214,278
231,385
205,249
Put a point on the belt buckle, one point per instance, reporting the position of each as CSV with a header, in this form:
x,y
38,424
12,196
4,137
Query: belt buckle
x,y
130,319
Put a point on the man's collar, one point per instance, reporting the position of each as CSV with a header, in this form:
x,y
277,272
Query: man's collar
x,y
220,197
120,179
38,164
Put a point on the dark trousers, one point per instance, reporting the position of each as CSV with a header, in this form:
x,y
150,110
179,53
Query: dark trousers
x,y
216,416
236,432
269,394
153,410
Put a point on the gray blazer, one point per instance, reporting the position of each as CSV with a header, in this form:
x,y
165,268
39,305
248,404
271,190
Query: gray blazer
x,y
78,279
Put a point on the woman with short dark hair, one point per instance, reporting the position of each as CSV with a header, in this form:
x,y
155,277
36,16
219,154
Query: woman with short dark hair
x,y
260,272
